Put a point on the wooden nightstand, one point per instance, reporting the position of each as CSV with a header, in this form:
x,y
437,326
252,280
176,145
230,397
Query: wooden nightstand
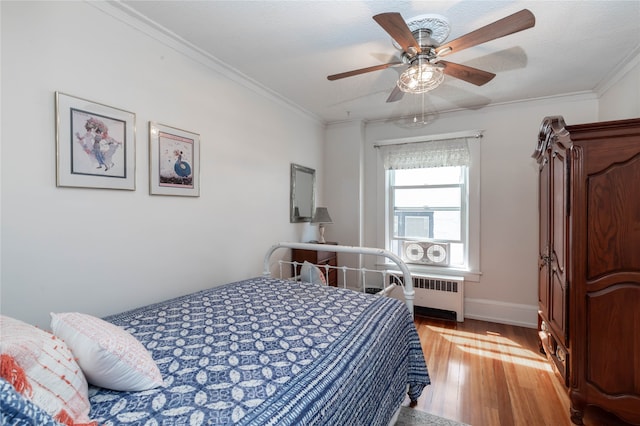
x,y
318,258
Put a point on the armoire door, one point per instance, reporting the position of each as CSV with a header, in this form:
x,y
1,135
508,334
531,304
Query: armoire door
x,y
544,239
557,260
609,321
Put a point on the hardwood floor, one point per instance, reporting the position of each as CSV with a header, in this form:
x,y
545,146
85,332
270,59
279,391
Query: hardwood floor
x,y
487,374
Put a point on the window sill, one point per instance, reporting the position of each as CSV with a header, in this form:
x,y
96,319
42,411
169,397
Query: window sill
x,y
469,276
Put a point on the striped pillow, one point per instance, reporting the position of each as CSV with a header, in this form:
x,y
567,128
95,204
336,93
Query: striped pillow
x,y
42,368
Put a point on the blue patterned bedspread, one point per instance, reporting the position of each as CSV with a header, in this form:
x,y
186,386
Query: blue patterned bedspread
x,y
271,352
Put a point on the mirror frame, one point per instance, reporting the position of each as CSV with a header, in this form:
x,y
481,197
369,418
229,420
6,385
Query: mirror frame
x,y
300,188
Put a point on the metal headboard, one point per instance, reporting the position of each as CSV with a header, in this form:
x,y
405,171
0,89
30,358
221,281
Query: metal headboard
x,y
409,293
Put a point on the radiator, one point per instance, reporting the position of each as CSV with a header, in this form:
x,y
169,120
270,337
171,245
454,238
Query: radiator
x,y
445,293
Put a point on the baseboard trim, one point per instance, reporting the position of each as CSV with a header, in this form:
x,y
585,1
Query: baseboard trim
x,y
501,312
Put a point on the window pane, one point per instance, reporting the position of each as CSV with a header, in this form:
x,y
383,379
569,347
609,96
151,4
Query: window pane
x,y
413,224
439,225
446,225
427,197
396,247
456,254
432,176
416,226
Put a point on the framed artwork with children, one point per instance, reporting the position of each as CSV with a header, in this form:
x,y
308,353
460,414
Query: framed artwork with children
x,y
95,144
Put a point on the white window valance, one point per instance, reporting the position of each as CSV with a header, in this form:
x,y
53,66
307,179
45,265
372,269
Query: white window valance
x,y
416,155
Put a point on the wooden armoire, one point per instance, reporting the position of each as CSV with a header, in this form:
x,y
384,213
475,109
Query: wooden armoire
x,y
589,262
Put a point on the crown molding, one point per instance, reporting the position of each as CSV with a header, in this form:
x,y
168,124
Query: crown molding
x,y
619,71
125,14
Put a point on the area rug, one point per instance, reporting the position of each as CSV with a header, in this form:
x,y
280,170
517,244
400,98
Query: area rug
x,y
411,417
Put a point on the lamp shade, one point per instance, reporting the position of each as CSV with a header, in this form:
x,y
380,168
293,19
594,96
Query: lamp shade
x,y
321,215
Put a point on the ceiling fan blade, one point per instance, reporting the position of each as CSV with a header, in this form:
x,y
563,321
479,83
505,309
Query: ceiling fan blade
x,y
467,73
396,27
511,24
362,71
396,94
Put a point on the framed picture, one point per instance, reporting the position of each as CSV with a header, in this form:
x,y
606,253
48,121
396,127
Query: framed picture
x,y
95,145
174,161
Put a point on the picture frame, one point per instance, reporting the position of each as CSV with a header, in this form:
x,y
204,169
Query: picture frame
x,y
95,144
174,161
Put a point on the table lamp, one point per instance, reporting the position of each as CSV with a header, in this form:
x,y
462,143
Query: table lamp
x,y
321,217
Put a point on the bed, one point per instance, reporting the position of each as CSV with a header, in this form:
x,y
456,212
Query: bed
x,y
271,351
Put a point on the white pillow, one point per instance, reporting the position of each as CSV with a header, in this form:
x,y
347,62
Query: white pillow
x,y
312,274
109,356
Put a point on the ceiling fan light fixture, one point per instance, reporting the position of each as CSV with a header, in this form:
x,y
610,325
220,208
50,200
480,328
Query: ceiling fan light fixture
x,y
420,78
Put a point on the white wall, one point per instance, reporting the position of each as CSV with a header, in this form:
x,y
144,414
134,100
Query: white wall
x,y
507,291
104,251
343,153
621,98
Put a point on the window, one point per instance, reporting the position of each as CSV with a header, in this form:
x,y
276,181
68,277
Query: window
x,y
430,205
432,196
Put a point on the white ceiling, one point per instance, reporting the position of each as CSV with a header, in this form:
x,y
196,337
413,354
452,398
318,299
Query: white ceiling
x,y
289,47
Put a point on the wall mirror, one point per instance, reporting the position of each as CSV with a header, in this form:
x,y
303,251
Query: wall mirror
x,y
303,193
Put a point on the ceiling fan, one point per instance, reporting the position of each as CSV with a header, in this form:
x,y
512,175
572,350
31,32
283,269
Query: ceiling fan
x,y
420,40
